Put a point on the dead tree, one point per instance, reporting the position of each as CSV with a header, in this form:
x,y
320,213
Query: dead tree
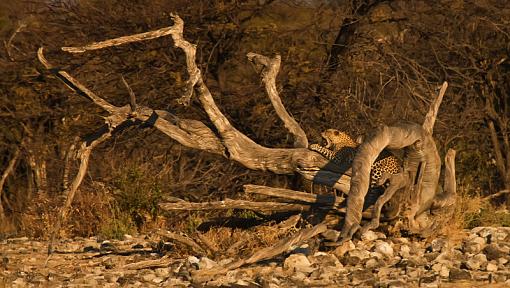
x,y
229,142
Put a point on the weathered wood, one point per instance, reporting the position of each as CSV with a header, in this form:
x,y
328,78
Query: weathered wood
x,y
495,195
430,118
240,148
263,254
292,194
268,73
84,155
181,239
122,40
8,170
394,137
234,204
421,152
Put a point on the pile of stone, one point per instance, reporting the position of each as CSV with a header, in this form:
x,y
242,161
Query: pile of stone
x,y
482,256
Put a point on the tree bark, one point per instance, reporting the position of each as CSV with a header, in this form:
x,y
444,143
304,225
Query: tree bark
x,y
8,170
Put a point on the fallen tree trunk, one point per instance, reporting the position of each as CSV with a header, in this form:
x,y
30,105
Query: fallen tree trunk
x,y
235,204
229,142
422,167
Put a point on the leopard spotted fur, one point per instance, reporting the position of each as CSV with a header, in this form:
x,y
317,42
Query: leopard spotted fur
x,y
341,149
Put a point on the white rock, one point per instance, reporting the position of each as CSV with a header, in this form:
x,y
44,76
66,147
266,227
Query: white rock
x,y
444,272
476,262
361,254
148,277
369,236
437,267
298,276
372,263
491,267
298,263
162,272
322,259
500,235
193,260
206,263
502,261
405,251
474,245
344,248
384,248
439,244
157,280
486,231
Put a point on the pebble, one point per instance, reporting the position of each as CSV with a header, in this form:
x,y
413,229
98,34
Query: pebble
x,y
206,263
298,263
374,260
476,262
369,236
384,248
491,267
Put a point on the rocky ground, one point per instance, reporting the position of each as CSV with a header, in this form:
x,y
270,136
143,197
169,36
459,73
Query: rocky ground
x,y
481,257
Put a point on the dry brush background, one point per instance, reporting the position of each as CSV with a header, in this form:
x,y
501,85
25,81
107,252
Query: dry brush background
x,y
348,66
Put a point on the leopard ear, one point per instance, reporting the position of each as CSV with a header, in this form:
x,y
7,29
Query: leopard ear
x,y
336,133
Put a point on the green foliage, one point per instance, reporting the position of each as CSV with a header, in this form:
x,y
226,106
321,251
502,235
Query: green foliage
x,y
194,220
116,227
137,196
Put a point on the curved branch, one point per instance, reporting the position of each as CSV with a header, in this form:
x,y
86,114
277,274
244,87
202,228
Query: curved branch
x,y
269,72
430,118
232,143
75,85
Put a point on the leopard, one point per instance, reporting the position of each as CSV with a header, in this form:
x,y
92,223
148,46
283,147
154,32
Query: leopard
x,y
341,149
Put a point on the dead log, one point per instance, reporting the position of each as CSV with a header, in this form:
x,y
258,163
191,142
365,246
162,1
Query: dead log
x,y
231,143
182,239
263,254
421,164
235,204
293,195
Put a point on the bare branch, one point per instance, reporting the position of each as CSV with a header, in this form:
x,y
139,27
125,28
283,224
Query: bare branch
x,y
430,118
292,195
421,149
500,162
132,97
182,239
269,72
84,155
235,204
75,85
266,253
7,172
123,40
21,25
495,195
